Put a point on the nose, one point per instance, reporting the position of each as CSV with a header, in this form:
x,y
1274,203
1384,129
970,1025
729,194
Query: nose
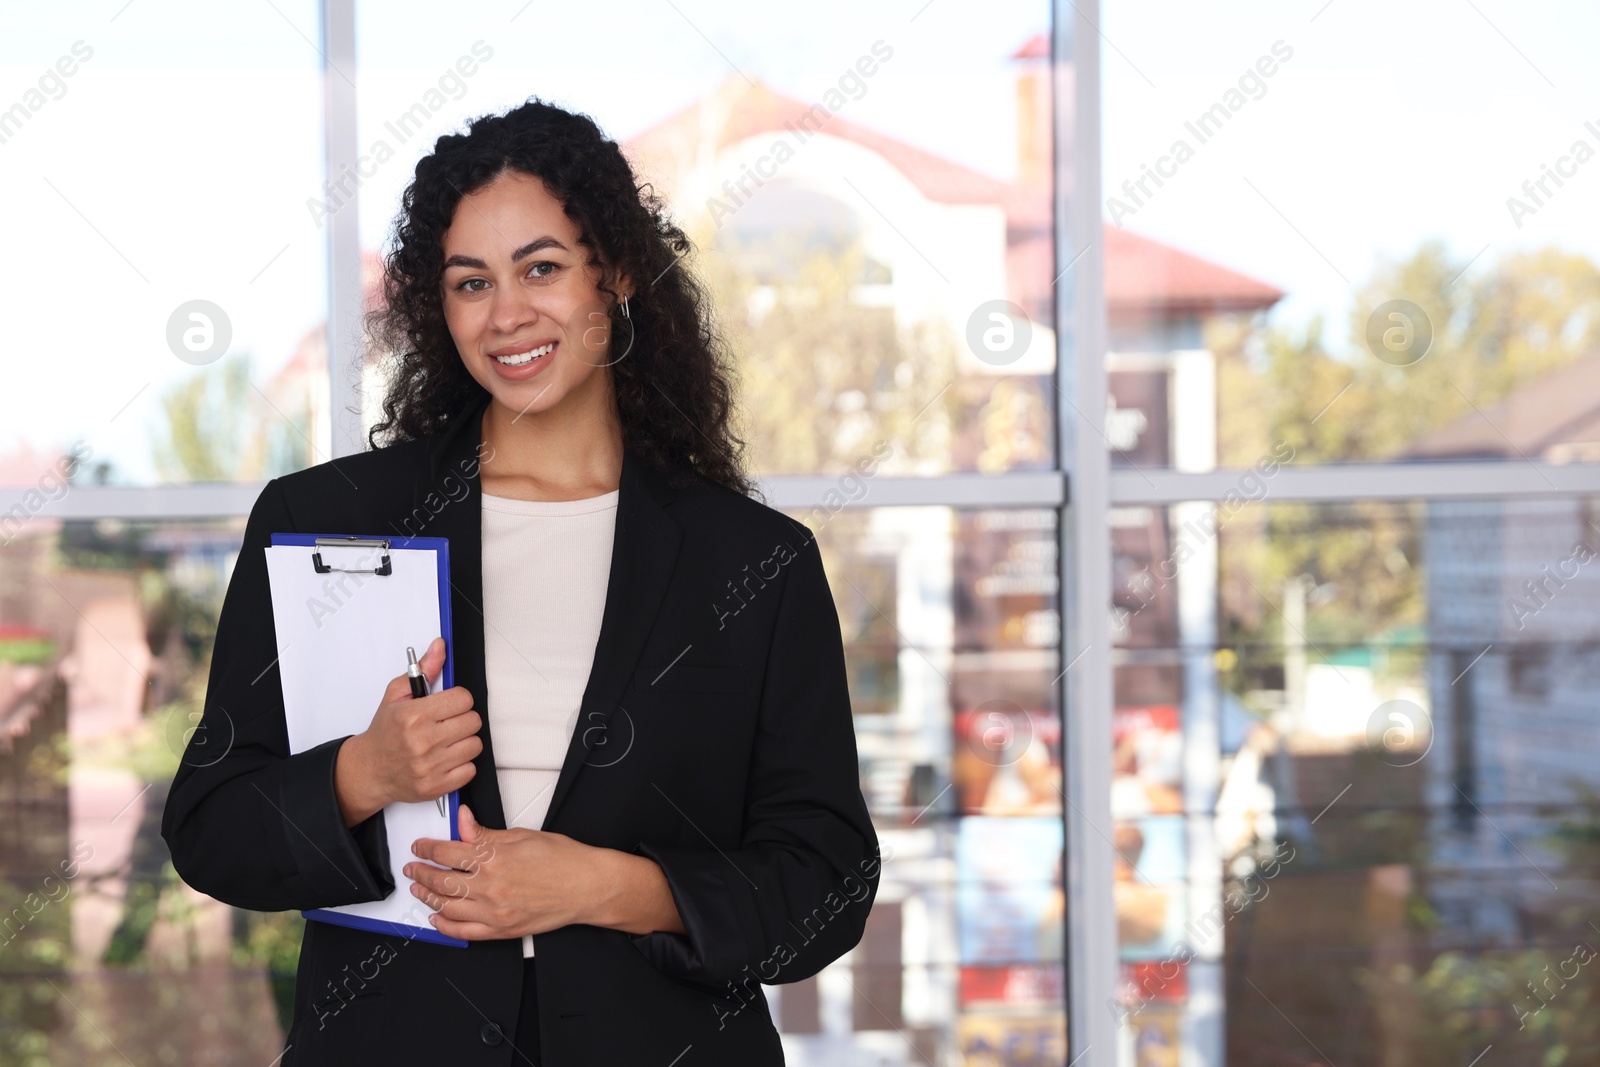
x,y
514,309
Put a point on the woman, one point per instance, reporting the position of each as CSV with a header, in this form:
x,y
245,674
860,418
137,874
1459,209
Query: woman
x,y
650,729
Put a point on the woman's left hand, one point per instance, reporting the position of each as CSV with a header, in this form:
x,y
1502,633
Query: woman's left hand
x,y
507,882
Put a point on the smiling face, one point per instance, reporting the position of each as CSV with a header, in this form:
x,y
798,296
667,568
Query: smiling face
x,y
521,300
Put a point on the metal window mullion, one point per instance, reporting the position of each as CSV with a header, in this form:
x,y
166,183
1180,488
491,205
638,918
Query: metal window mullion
x,y
1084,559
1019,489
344,329
1356,481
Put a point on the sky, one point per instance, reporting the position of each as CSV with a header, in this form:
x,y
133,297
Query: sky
x,y
176,163
1389,125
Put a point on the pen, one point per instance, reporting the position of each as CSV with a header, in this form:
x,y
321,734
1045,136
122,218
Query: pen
x,y
419,688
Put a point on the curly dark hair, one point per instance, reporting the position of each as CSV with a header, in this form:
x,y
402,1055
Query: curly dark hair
x,y
674,388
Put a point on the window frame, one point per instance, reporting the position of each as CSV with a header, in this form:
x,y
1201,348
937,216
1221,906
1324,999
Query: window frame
x,y
1081,488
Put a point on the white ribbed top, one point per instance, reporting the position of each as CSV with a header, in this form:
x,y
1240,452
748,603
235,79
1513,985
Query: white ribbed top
x,y
546,565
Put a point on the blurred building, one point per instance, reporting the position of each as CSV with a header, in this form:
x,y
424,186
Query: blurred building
x,y
1514,678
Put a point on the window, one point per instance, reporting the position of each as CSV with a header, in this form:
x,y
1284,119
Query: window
x,y
1353,494
1196,408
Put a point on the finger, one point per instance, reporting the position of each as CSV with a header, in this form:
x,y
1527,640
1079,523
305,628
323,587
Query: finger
x,y
432,659
423,847
447,706
458,909
434,880
454,725
450,761
399,688
476,835
466,931
468,856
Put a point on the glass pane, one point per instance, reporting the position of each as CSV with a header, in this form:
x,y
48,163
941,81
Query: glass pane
x,y
105,643
166,318
877,233
950,621
1354,796
1329,245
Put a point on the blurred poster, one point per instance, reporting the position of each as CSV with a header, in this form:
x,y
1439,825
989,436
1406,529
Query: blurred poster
x,y
1004,590
1137,419
1155,981
1009,903
1143,569
1013,985
1155,1037
1005,760
1146,762
1012,1040
1149,884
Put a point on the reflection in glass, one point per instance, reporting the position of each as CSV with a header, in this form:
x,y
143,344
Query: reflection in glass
x,y
1351,783
951,623
1339,320
172,153
881,290
104,649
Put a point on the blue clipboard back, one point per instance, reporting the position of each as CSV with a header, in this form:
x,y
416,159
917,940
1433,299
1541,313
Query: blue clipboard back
x,y
441,546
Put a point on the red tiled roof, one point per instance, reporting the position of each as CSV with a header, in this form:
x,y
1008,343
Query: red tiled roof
x,y
1142,276
1149,277
1036,47
745,111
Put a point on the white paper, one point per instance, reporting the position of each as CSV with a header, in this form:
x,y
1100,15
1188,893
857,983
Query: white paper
x,y
341,638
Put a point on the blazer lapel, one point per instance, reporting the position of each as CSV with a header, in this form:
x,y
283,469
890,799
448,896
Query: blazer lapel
x,y
453,495
644,549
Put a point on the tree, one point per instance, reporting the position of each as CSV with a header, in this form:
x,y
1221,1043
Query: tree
x,y
220,428
1525,316
825,376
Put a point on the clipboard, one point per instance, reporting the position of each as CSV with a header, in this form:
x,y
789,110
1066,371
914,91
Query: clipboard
x,y
345,606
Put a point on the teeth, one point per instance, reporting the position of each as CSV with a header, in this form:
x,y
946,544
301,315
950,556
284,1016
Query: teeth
x,y
522,358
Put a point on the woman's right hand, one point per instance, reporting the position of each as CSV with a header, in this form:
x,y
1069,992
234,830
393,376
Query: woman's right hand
x,y
417,748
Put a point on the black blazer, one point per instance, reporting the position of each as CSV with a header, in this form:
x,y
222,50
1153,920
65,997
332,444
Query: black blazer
x,y
715,737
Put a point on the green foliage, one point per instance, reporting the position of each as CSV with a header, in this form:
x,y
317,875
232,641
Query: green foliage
x,y
1495,329
1535,1006
1497,326
220,428
205,417
824,376
272,939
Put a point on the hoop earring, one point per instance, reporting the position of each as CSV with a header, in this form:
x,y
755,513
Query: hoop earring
x,y
625,307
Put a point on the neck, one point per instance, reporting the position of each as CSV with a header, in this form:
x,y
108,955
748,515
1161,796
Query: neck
x,y
551,455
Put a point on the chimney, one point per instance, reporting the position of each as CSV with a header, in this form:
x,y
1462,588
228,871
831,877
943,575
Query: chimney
x,y
1034,133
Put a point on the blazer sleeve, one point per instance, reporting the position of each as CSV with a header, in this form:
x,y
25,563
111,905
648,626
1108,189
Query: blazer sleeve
x,y
246,822
794,896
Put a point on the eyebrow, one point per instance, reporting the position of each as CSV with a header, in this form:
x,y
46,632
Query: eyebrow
x,y
536,245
